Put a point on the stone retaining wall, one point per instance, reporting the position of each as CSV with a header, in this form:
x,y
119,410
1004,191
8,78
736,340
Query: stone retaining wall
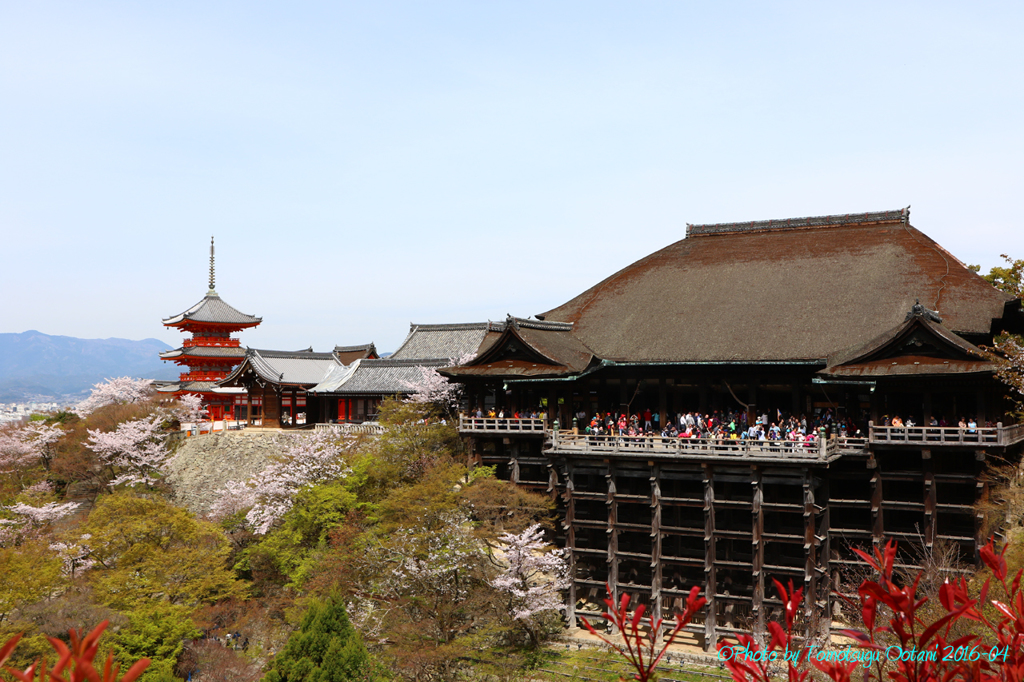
x,y
201,465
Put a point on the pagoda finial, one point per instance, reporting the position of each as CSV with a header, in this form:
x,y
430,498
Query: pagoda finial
x,y
212,291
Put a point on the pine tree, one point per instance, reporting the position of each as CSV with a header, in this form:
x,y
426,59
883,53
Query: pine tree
x,y
325,649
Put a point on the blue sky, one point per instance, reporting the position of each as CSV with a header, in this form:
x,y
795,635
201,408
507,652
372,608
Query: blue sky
x,y
364,165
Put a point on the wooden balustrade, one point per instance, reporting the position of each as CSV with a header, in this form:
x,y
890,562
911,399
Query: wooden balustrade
x,y
998,435
498,425
371,428
695,447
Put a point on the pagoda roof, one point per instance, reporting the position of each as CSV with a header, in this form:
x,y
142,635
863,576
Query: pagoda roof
x,y
213,310
796,290
204,352
301,368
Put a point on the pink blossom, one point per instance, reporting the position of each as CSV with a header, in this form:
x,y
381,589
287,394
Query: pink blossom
x,y
431,387
121,390
310,459
136,450
74,555
39,516
191,409
534,576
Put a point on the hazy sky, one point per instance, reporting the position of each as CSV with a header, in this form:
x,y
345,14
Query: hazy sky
x,y
364,165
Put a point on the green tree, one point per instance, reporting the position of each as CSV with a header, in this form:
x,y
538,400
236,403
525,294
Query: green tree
x,y
150,550
326,648
1009,279
28,572
157,632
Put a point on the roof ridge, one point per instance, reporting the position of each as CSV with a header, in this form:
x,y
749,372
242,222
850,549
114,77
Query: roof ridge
x,y
446,326
349,349
897,216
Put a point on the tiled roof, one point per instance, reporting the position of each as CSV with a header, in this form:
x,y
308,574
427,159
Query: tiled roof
x,y
284,367
349,354
751,294
441,341
897,216
375,377
213,309
195,386
204,352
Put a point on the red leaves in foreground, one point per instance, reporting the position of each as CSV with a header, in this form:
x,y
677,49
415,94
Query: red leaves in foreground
x,y
900,646
643,656
75,663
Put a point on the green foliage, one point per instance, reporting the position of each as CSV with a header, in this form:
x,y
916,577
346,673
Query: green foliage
x,y
156,632
1009,279
150,550
30,572
326,648
286,555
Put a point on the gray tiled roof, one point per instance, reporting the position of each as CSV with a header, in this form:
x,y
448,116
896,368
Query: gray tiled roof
x,y
375,377
213,309
285,367
197,386
204,352
441,341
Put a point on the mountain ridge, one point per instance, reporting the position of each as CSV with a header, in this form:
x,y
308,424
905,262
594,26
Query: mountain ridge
x,y
35,365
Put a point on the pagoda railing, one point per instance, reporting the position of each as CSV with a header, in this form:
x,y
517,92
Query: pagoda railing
x,y
501,425
567,442
202,376
214,341
998,435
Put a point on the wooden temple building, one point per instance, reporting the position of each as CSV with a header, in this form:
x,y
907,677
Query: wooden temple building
x,y
211,352
861,317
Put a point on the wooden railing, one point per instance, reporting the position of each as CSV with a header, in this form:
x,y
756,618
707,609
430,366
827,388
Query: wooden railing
x,y
847,444
566,441
371,428
998,435
498,425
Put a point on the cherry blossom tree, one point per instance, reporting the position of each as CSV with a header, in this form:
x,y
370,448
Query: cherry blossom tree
x,y
534,577
121,390
43,438
136,450
16,451
310,459
76,556
431,387
30,519
191,409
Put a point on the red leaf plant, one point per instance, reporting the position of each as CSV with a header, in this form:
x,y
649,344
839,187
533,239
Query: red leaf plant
x,y
642,655
75,664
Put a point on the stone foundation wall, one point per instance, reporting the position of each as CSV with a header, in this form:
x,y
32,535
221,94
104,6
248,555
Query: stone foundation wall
x,y
201,465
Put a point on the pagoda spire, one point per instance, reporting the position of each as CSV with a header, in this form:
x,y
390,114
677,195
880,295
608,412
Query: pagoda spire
x,y
212,291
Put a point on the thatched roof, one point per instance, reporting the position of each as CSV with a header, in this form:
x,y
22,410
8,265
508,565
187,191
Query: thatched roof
x,y
802,289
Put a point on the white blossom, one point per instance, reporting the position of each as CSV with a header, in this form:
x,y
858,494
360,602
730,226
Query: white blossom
x,y
535,575
431,387
310,459
120,390
74,555
39,516
137,450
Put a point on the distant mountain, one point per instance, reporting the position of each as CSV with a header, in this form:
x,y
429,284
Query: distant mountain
x,y
35,365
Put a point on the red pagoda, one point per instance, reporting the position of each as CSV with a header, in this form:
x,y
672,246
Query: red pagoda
x,y
211,353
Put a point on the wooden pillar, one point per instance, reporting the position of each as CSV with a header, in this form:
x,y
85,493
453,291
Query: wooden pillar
x,y
981,497
513,463
248,405
710,584
824,558
613,535
810,556
930,520
570,543
752,401
877,526
757,607
656,572
552,406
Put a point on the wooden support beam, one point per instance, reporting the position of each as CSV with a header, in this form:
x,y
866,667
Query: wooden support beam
x,y
570,542
757,607
662,403
824,557
710,584
930,520
613,534
656,572
981,497
810,556
877,525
